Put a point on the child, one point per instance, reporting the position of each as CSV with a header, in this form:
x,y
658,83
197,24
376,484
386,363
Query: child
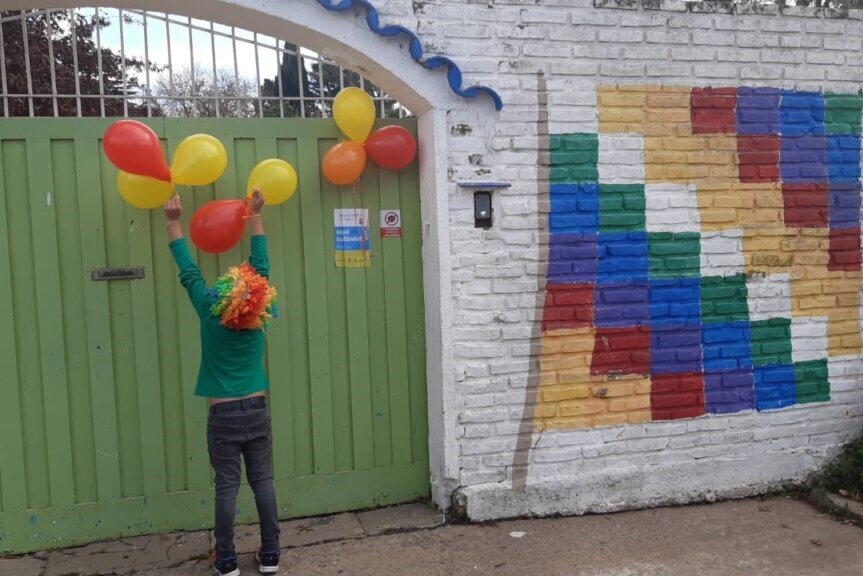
x,y
232,377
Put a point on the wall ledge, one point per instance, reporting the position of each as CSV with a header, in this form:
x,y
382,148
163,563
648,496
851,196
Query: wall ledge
x,y
728,7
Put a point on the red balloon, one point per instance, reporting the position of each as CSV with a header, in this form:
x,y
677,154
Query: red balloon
x,y
134,148
391,147
217,226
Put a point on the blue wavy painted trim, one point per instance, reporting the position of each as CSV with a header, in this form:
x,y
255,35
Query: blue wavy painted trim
x,y
453,72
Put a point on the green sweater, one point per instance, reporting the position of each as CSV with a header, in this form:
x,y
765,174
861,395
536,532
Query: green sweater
x,y
231,365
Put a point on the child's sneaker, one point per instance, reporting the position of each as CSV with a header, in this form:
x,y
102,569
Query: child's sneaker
x,y
226,566
268,562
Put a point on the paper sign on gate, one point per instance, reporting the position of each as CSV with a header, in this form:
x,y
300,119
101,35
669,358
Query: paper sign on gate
x,y
352,242
391,223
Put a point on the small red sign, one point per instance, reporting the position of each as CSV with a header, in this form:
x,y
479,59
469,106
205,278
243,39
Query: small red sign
x,y
391,224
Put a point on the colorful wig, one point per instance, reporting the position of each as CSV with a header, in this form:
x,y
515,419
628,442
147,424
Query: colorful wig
x,y
242,299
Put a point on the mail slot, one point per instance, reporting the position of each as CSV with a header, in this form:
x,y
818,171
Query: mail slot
x,y
128,273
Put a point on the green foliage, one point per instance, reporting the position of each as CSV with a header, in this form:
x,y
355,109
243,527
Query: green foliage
x,y
846,471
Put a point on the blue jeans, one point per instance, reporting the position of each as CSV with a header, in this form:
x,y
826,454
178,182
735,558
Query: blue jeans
x,y
234,429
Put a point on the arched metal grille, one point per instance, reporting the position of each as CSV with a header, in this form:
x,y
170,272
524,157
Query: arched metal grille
x,y
114,62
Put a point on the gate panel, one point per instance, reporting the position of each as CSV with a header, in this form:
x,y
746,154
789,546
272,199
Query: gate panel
x,y
100,434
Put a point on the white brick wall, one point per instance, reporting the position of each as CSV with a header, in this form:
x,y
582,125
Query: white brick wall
x,y
497,274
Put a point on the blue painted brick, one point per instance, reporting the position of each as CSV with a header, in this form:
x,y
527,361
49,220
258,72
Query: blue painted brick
x,y
726,346
622,256
775,386
803,159
675,301
621,304
801,114
757,110
574,208
844,205
729,391
675,349
572,258
843,158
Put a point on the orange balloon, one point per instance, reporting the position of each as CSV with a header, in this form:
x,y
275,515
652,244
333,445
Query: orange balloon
x,y
344,162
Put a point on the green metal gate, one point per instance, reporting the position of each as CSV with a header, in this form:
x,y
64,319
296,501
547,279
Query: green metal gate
x,y
100,435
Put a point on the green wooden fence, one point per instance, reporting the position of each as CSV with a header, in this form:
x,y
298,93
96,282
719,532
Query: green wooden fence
x,y
100,435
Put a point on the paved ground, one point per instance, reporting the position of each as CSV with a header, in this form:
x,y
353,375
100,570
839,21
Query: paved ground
x,y
781,536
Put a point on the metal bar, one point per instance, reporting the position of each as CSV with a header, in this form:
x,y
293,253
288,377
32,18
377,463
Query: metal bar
x,y
49,19
3,72
215,71
74,19
193,78
258,75
147,90
123,59
27,60
170,63
99,62
236,68
301,71
279,80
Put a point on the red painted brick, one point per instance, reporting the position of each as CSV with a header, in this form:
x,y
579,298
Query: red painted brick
x,y
844,249
568,306
806,205
621,351
758,158
712,110
674,396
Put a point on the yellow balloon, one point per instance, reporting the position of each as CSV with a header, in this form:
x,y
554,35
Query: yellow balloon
x,y
143,192
199,160
276,179
354,113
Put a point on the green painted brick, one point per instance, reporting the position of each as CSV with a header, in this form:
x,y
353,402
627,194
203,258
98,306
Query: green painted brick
x,y
574,157
723,299
812,381
771,341
621,207
843,113
674,255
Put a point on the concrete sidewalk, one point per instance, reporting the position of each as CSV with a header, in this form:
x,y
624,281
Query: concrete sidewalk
x,y
780,536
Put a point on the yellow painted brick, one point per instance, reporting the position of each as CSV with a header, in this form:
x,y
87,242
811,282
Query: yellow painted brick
x,y
629,404
621,115
847,300
642,386
801,244
638,417
672,143
843,326
667,157
609,420
667,116
732,200
578,376
562,393
613,389
687,173
567,423
805,259
545,410
669,100
581,407
809,305
619,99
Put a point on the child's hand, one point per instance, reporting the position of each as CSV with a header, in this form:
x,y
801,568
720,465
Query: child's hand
x,y
173,209
257,203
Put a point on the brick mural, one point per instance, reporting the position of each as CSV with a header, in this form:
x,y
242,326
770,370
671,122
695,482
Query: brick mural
x,y
704,254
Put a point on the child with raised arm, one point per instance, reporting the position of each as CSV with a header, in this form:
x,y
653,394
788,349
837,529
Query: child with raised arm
x,y
233,314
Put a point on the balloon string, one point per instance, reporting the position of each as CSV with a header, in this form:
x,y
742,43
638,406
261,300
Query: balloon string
x,y
356,203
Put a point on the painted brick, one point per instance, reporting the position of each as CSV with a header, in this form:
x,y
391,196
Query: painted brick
x,y
674,255
844,199
843,113
729,391
775,386
568,306
574,208
621,304
722,253
621,351
806,205
675,301
843,158
671,208
621,159
808,339
723,299
844,249
769,296
758,158
801,113
757,111
677,396
726,346
622,256
771,341
803,159
713,110
574,158
812,381
675,349
621,207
